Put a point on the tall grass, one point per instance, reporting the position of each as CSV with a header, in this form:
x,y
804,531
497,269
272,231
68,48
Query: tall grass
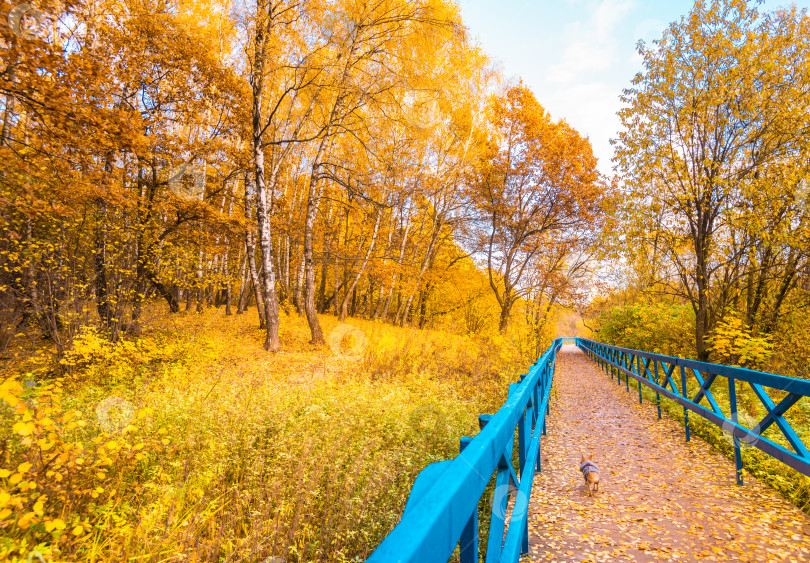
x,y
229,453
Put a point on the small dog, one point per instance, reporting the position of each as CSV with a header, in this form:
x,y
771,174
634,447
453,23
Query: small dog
x,y
591,474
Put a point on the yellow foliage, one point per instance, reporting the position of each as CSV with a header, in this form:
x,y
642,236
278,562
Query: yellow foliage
x,y
51,472
733,344
242,438
93,357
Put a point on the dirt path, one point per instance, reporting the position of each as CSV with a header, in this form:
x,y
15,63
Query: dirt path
x,y
660,498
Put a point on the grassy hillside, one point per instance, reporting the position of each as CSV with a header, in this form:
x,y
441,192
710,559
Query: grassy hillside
x,y
193,440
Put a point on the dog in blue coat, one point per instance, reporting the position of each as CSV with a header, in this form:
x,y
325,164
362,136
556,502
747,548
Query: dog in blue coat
x,y
591,474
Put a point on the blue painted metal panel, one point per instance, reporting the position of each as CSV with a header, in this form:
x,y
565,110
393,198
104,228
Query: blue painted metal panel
x,y
444,500
706,375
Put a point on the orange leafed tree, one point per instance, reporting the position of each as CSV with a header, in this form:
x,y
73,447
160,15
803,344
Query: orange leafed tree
x,y
535,184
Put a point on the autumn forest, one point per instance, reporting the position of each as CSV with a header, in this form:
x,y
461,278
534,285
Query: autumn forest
x,y
263,261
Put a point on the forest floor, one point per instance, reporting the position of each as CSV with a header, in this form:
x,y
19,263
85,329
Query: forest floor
x,y
660,498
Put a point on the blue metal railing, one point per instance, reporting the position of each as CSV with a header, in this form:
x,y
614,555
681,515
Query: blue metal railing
x,y
670,376
442,509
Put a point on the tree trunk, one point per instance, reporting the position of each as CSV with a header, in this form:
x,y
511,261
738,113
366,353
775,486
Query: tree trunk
x,y
228,282
254,274
298,299
361,269
243,286
263,198
309,267
384,315
702,310
287,258
506,308
336,277
100,254
200,288
504,321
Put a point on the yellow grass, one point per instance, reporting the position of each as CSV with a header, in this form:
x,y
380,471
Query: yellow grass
x,y
232,453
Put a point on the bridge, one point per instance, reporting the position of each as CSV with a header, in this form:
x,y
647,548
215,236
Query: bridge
x,y
663,494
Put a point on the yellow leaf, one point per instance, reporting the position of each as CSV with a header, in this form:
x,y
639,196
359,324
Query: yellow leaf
x,y
55,524
23,428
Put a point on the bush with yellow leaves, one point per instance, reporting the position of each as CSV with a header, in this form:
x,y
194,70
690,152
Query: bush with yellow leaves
x,y
94,358
56,492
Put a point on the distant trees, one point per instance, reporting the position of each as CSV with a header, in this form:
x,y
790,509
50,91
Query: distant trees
x,y
534,192
713,154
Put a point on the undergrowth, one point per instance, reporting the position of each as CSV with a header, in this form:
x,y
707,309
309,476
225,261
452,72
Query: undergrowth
x,y
193,440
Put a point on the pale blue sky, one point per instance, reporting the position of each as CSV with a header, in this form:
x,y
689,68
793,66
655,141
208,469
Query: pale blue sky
x,y
576,55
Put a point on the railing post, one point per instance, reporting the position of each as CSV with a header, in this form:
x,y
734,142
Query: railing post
x,y
732,402
538,465
616,359
547,380
629,367
468,544
685,410
638,381
657,394
522,437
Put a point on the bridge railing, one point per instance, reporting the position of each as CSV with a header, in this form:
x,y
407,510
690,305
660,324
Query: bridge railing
x,y
671,377
442,510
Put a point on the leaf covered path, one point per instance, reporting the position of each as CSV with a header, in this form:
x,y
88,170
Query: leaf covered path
x,y
660,498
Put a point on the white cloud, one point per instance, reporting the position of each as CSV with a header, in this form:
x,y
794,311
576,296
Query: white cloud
x,y
576,55
591,44
590,107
